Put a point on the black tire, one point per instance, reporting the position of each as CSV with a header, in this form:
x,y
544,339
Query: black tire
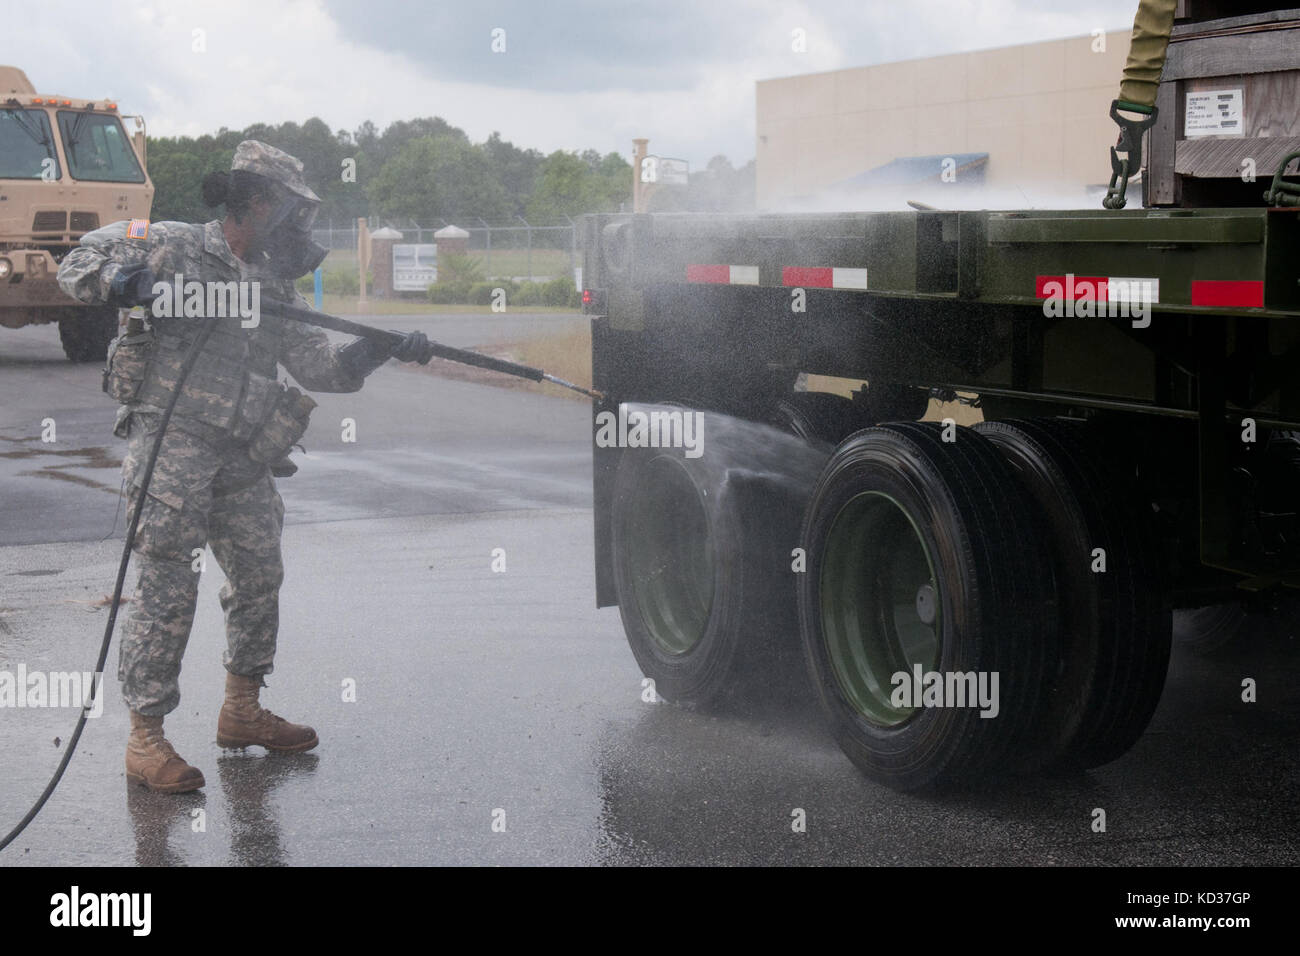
x,y
990,605
702,561
86,333
1207,630
1114,626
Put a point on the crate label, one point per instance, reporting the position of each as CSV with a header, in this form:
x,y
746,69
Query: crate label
x,y
1213,113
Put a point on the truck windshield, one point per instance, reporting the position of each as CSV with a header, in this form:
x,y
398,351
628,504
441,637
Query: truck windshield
x,y
26,146
97,148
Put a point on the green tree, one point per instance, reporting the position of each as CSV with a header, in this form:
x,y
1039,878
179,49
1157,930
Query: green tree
x,y
438,177
423,169
177,166
571,184
516,169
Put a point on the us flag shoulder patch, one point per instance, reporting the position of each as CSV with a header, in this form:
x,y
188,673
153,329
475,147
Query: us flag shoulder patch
x,y
138,229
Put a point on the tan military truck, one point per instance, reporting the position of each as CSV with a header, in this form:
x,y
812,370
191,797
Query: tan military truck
x,y
67,166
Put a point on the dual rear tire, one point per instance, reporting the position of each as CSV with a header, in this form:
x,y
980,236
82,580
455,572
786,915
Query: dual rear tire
x,y
972,600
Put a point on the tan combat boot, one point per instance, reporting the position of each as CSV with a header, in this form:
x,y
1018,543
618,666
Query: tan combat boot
x,y
244,722
152,762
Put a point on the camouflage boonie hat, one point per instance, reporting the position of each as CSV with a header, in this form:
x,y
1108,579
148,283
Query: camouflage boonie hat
x,y
257,157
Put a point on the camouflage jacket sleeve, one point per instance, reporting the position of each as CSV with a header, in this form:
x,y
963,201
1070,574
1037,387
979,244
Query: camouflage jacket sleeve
x,y
87,272
1146,55
309,356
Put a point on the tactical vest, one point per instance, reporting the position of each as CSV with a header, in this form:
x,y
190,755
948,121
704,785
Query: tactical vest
x,y
232,385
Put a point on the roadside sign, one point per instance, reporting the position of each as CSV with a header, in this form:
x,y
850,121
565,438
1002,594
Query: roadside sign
x,y
665,171
415,266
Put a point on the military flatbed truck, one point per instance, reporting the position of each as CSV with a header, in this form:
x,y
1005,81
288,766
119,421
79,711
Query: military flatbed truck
x,y
67,166
964,600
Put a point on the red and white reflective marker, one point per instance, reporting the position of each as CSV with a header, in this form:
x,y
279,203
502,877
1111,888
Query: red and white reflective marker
x,y
723,275
1131,289
817,277
814,277
1220,293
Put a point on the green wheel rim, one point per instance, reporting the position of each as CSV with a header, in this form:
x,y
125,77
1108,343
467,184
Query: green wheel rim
x,y
881,605
671,564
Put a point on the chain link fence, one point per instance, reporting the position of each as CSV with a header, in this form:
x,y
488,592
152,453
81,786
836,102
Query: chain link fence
x,y
519,251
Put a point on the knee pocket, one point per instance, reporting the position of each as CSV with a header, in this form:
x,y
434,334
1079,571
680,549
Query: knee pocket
x,y
170,528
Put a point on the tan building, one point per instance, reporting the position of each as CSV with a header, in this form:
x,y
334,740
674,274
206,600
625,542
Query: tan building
x,y
1028,121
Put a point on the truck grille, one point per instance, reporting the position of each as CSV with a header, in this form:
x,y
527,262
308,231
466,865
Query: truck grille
x,y
50,221
85,221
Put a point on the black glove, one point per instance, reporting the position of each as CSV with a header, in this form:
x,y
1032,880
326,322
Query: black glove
x,y
133,285
414,347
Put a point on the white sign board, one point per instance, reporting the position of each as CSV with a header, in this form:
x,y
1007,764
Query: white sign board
x,y
415,267
1213,113
665,171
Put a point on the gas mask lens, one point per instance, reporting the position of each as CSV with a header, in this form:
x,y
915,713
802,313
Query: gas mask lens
x,y
294,212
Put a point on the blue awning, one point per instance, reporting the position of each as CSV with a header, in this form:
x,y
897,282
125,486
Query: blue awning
x,y
910,170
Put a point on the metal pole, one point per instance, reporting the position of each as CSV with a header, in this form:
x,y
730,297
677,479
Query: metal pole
x,y
573,246
641,147
529,239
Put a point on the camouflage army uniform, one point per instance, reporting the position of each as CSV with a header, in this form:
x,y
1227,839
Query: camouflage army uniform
x,y
206,489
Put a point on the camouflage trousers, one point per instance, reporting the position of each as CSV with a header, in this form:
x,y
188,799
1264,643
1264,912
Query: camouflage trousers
x,y
204,491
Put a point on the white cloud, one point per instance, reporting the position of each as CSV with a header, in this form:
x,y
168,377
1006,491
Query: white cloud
x,y
268,61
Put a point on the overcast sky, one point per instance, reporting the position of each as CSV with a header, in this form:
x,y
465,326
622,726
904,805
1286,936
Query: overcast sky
x,y
574,73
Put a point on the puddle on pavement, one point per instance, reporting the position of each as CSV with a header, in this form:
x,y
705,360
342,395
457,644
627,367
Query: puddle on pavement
x,y
77,458
96,457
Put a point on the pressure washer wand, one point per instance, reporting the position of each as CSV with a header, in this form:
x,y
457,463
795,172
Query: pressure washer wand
x,y
436,349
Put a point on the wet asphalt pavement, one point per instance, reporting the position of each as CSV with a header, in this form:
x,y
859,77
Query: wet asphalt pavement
x,y
498,716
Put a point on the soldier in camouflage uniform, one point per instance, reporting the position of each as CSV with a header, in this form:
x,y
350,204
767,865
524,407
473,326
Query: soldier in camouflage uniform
x,y
212,484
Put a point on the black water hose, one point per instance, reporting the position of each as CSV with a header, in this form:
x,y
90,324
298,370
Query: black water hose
x,y
190,358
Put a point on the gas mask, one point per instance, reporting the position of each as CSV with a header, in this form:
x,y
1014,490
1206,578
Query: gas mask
x,y
286,241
